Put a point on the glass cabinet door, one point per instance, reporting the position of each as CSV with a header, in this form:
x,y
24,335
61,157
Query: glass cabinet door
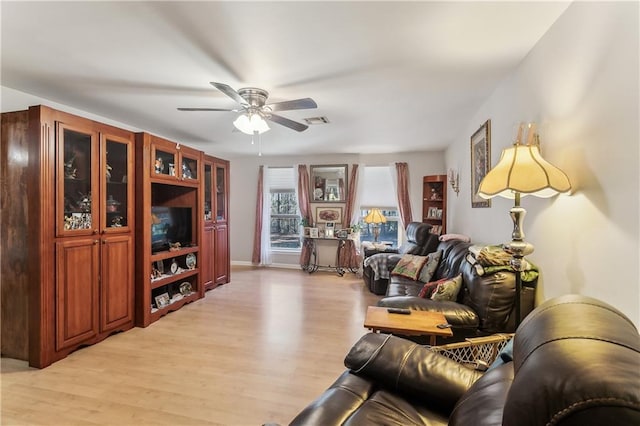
x,y
76,181
221,193
116,196
189,167
208,176
163,162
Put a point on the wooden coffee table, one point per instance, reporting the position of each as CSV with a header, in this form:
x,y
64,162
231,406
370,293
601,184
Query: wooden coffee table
x,y
418,323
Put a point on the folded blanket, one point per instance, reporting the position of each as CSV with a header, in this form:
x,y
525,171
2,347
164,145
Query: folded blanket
x,y
378,265
490,255
490,259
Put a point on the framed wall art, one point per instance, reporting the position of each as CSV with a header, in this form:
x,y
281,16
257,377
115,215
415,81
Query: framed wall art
x,y
480,162
328,214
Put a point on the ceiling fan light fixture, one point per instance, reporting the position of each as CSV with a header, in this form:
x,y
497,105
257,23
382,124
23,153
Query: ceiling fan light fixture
x,y
250,123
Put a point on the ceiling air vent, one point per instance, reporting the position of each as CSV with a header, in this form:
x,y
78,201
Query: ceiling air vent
x,y
316,120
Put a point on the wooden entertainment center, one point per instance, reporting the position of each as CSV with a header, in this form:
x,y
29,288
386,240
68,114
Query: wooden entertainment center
x,y
82,203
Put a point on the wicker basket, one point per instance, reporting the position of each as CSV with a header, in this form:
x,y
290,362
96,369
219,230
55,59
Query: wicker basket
x,y
477,352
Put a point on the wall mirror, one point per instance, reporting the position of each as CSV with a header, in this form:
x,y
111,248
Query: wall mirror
x,y
328,183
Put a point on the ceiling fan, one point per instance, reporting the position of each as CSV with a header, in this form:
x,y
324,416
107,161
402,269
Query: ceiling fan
x,y
254,110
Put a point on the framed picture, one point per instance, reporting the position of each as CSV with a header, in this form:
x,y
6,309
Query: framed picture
x,y
480,162
162,300
329,229
314,233
328,214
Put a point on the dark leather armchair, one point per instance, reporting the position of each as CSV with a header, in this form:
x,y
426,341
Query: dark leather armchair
x,y
420,241
575,363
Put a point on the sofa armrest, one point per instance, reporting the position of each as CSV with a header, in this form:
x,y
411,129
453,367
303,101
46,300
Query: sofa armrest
x,y
406,367
458,315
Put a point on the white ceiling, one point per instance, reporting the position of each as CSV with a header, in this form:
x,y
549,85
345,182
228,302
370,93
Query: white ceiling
x,y
390,76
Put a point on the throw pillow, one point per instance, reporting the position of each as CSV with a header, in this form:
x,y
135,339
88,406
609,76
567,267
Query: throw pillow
x,y
428,289
448,290
409,266
430,267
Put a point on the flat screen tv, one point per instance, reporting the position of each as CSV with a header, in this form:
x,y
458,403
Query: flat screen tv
x,y
170,225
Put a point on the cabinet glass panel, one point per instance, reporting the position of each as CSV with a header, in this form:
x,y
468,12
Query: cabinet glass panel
x,y
207,192
189,168
116,195
164,163
77,180
220,193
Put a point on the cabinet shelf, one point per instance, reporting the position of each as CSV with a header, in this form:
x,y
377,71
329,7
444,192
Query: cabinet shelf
x,y
157,313
434,202
162,255
173,180
168,279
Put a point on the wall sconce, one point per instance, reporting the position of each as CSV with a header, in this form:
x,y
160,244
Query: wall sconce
x,y
454,180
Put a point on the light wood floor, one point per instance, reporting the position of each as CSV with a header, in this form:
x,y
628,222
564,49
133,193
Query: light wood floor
x,y
253,351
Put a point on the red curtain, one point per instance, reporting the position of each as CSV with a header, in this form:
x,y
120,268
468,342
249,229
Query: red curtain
x,y
305,209
257,235
348,255
404,204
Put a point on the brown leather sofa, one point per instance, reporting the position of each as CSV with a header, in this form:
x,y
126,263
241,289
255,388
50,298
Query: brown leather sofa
x,y
485,304
420,241
576,362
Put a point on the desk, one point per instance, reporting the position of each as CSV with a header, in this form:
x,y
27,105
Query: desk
x,y
419,323
313,265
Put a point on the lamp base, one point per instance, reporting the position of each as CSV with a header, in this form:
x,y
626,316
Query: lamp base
x,y
376,233
518,249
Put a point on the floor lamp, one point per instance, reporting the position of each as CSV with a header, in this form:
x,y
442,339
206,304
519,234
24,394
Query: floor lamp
x,y
522,171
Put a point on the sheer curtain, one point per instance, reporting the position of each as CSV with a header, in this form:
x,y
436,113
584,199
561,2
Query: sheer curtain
x,y
301,175
262,234
257,232
401,185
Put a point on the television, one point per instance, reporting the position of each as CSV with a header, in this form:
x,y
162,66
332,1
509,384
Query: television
x,y
170,225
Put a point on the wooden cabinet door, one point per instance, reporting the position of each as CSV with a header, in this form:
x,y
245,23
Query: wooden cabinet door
x,y
76,298
221,254
116,282
207,257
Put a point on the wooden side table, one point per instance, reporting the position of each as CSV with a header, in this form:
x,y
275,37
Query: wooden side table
x,y
418,323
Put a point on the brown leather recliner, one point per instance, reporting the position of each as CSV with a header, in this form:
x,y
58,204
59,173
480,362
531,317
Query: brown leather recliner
x,y
420,241
575,362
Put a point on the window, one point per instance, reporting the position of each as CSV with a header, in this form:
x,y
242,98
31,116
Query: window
x,y
285,217
389,231
377,191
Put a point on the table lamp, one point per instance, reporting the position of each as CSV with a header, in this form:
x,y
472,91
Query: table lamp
x,y
522,171
375,217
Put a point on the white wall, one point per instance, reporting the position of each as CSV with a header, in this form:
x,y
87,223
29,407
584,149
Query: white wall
x,y
244,179
580,83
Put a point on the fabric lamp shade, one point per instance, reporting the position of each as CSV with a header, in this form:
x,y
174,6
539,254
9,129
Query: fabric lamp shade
x,y
522,170
375,216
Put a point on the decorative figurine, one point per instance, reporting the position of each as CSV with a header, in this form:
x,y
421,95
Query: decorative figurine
x,y
159,165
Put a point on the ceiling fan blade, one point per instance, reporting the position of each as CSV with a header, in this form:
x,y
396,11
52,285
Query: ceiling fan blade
x,y
306,103
287,123
227,90
205,109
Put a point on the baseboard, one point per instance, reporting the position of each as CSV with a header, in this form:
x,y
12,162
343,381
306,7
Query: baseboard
x,y
273,265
